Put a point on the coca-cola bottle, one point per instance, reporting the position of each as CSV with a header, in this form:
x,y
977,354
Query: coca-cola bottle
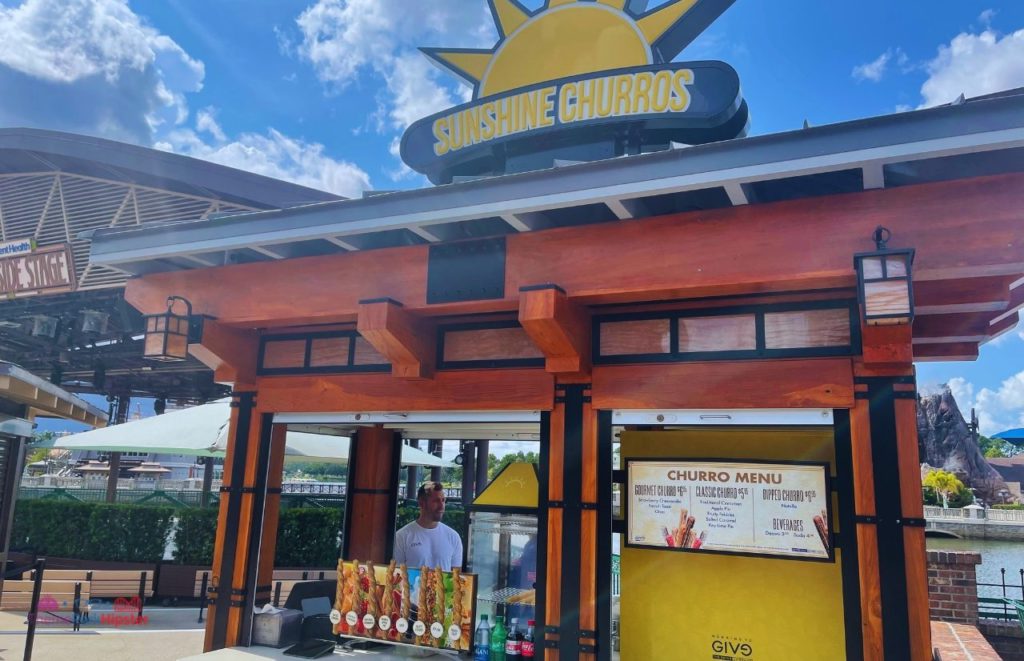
x,y
528,650
514,642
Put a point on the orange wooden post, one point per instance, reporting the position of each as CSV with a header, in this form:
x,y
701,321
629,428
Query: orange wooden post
x,y
913,535
223,626
553,534
271,513
371,495
867,534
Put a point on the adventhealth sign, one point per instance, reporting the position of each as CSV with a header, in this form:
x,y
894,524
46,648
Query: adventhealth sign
x,y
578,80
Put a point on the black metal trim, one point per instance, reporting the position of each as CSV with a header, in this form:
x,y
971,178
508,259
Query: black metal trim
x,y
381,299
546,285
911,522
259,503
861,395
865,518
589,506
544,459
496,363
846,539
552,644
556,504
605,527
353,459
884,380
760,352
618,476
245,403
891,552
572,489
905,394
586,649
396,470
553,631
588,633
348,368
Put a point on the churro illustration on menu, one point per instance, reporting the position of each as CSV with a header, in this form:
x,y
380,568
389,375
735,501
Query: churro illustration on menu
x,y
821,525
683,536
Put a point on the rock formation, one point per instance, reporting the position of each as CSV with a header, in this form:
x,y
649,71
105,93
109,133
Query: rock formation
x,y
945,441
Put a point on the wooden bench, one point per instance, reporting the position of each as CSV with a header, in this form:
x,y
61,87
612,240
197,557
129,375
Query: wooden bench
x,y
55,595
105,584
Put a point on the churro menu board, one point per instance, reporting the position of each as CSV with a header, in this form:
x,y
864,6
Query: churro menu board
x,y
420,606
777,509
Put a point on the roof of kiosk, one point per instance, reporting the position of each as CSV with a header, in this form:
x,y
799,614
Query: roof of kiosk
x,y
980,136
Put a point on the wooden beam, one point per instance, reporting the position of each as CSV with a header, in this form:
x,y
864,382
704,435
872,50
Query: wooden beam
x,y
813,383
558,327
946,328
946,352
490,390
963,295
401,337
1016,301
732,251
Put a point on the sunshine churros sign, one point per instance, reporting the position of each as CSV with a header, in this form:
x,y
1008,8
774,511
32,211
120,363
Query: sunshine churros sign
x,y
420,606
751,508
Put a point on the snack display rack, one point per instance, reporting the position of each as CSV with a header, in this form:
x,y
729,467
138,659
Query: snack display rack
x,y
502,553
502,547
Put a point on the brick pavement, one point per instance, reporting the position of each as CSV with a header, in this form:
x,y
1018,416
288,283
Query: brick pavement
x,y
961,642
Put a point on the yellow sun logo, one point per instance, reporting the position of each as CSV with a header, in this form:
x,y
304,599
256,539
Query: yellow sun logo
x,y
596,78
571,37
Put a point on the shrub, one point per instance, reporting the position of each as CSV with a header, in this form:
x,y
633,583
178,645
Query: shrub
x,y
91,531
309,537
194,536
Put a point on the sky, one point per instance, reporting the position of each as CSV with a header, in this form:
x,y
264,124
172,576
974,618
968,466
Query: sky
x,y
319,91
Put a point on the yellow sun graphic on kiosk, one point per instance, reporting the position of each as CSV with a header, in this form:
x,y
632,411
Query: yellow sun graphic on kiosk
x,y
571,37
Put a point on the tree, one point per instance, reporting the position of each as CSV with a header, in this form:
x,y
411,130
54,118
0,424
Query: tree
x,y
495,465
996,447
944,483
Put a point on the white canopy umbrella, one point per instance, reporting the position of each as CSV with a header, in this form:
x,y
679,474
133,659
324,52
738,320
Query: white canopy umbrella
x,y
202,431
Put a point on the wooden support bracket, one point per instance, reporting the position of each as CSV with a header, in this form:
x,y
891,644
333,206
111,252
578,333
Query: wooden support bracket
x,y
558,327
887,345
403,338
230,352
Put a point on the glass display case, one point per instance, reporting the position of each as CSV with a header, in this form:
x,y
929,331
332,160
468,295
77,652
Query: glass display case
x,y
503,554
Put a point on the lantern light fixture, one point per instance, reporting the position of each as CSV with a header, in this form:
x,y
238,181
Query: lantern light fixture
x,y
169,333
94,321
885,288
43,326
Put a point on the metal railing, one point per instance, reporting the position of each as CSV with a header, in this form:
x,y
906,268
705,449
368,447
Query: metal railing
x,y
945,512
992,597
37,568
1014,516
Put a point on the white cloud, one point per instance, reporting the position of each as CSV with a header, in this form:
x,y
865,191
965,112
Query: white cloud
x,y
985,17
873,70
345,40
274,155
1003,407
91,66
974,64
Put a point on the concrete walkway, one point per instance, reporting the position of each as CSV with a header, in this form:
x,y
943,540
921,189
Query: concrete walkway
x,y
167,634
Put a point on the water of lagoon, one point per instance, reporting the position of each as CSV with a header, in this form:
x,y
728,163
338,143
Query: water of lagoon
x,y
995,555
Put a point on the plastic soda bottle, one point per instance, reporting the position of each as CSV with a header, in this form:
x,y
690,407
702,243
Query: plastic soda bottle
x,y
498,636
482,642
514,642
529,652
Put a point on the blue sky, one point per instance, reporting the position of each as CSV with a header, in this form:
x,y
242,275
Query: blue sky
x,y
319,91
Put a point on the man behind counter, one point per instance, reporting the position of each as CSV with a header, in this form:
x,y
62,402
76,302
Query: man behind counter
x,y
427,541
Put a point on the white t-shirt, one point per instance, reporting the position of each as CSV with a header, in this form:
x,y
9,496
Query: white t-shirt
x,y
432,547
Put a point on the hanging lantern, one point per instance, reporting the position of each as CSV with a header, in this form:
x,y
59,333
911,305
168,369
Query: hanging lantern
x,y
94,321
167,333
884,284
43,326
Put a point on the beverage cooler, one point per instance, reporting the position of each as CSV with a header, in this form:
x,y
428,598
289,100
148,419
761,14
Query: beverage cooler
x,y
502,548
